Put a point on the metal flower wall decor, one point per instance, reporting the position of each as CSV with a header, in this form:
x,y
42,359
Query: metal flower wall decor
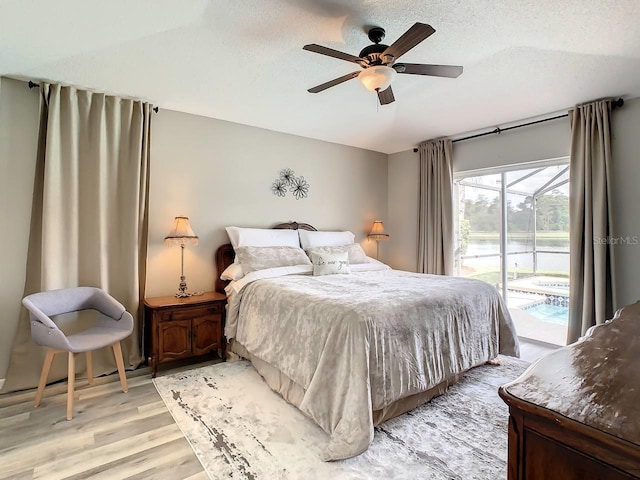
x,y
287,181
279,188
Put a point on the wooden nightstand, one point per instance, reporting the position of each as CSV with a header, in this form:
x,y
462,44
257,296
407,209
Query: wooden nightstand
x,y
178,328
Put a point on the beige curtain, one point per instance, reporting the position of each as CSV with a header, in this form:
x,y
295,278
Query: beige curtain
x,y
435,210
89,217
591,288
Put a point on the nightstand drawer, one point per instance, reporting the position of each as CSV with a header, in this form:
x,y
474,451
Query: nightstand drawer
x,y
188,313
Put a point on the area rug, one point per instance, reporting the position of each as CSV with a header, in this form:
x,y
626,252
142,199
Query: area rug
x,y
240,429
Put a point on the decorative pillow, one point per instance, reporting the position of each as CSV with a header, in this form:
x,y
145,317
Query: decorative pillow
x,y
260,258
325,239
232,272
355,252
262,237
330,263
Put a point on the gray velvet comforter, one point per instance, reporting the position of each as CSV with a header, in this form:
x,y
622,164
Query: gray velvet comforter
x,y
358,342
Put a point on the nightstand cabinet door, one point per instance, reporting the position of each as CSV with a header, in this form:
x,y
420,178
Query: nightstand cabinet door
x,y
206,333
174,340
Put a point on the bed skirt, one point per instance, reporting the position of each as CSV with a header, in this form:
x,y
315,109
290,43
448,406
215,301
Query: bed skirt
x,y
294,393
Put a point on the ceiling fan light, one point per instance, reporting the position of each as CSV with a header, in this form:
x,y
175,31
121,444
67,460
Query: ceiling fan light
x,y
378,77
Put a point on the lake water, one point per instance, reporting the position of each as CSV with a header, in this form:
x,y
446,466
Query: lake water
x,y
556,262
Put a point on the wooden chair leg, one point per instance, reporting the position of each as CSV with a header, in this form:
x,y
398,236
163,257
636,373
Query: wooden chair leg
x,y
89,367
46,366
71,384
117,352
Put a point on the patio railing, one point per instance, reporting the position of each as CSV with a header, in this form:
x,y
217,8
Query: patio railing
x,y
534,252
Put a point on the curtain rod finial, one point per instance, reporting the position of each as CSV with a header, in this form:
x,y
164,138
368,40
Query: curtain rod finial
x,y
33,85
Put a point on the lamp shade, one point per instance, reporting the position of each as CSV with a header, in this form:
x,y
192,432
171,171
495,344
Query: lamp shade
x,y
377,231
378,77
378,228
182,233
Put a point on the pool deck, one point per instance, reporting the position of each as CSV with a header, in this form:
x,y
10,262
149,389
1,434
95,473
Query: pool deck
x,y
528,326
522,300
530,291
541,285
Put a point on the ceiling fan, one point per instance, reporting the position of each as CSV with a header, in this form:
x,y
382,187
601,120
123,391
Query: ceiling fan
x,y
378,62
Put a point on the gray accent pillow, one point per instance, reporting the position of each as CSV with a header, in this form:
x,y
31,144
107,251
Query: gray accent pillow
x,y
330,263
261,258
354,250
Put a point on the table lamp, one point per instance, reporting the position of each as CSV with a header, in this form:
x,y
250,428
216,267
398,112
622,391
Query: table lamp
x,y
182,234
377,234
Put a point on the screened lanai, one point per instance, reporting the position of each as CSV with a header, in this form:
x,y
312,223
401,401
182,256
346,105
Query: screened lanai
x,y
512,230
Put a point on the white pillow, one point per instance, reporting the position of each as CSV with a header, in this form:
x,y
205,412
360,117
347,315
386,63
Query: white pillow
x,y
330,263
369,267
261,258
232,272
355,252
310,239
262,237
376,261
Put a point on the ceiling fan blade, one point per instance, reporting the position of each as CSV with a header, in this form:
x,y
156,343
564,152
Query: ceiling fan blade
x,y
450,71
334,82
409,39
386,96
330,52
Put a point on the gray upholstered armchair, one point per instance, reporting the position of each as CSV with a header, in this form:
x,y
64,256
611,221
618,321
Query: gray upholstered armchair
x,y
112,325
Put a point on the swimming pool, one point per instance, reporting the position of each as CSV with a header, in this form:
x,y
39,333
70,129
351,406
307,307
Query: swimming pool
x,y
550,313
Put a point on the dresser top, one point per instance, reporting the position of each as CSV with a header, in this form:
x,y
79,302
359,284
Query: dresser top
x,y
595,381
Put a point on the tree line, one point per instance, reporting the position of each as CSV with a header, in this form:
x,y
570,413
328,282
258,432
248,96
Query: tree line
x,y
483,214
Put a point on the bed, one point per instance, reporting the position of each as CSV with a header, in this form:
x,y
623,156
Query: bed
x,y
352,351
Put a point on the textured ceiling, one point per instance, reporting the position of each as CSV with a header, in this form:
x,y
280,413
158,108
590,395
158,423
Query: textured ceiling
x,y
243,61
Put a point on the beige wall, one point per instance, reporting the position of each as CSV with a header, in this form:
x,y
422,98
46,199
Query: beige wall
x,y
220,173
542,141
402,247
625,178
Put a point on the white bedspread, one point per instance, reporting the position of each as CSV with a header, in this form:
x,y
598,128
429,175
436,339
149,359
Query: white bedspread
x,y
356,343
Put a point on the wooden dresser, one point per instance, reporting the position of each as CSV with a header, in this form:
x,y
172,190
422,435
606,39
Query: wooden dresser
x,y
575,414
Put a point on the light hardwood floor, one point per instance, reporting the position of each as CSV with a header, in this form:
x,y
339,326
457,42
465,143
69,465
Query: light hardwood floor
x,y
113,435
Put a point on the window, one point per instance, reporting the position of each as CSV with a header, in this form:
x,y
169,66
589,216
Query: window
x,y
513,232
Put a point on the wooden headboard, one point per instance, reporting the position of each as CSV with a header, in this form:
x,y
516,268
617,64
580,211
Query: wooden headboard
x,y
225,254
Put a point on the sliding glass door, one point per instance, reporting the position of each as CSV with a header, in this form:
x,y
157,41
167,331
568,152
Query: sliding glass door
x,y
513,232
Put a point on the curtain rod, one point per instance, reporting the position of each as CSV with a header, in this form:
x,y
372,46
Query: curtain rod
x,y
614,104
36,85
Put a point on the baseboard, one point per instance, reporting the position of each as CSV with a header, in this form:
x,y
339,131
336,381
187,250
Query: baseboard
x,y
541,343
